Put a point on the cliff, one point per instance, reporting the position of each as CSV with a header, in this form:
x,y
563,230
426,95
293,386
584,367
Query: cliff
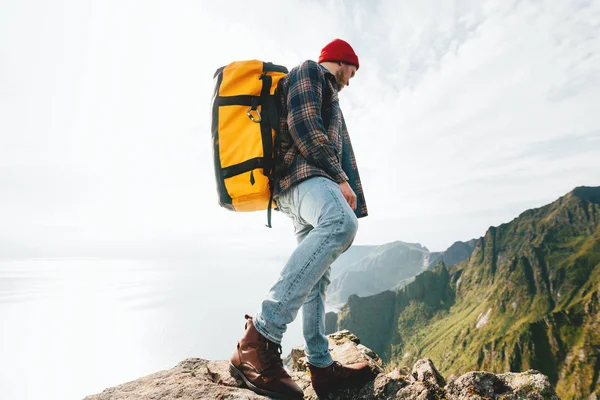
x,y
197,379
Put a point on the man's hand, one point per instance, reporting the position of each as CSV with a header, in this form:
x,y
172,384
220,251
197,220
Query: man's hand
x,y
348,194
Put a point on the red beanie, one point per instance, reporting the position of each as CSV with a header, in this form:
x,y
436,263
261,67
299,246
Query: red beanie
x,y
339,50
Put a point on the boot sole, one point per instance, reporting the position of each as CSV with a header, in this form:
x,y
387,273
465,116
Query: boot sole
x,y
238,375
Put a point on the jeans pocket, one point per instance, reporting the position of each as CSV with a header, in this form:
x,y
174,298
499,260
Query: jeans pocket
x,y
283,203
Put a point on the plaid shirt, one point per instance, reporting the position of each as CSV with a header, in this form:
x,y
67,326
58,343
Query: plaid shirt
x,y
308,149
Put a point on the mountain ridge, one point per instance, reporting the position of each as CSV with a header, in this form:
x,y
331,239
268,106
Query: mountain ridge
x,y
386,267
527,297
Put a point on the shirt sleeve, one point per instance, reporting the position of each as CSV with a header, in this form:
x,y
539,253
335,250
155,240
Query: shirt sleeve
x,y
305,96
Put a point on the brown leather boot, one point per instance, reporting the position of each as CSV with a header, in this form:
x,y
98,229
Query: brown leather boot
x,y
257,362
338,377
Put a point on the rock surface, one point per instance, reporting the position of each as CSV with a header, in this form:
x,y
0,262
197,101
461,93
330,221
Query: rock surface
x,y
197,378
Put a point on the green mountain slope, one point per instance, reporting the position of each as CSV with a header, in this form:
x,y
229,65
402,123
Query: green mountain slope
x,y
528,297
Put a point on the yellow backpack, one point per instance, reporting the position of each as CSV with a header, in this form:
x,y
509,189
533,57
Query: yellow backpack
x,y
245,122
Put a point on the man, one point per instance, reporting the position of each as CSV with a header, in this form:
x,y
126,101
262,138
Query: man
x,y
319,188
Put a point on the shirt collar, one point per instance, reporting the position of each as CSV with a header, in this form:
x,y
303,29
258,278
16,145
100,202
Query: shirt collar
x,y
329,75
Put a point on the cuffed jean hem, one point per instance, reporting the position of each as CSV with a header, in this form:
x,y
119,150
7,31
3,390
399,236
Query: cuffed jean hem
x,y
259,324
323,361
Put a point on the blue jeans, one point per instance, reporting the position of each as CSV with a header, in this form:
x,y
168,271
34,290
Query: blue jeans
x,y
325,227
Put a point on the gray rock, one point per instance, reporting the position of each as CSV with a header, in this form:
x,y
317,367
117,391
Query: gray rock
x,y
199,379
529,385
191,379
425,382
344,346
387,385
424,371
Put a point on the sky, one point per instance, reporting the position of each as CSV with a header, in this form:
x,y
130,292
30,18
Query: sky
x,y
462,115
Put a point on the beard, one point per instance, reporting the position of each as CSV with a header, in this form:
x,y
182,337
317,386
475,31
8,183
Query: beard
x,y
340,78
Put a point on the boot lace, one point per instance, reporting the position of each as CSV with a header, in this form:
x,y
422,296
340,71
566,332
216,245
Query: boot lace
x,y
338,369
271,360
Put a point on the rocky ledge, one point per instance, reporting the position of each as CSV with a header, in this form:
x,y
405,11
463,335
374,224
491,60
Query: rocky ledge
x,y
196,378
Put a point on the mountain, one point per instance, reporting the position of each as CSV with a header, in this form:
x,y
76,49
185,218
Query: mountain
x,y
368,270
458,252
350,257
528,297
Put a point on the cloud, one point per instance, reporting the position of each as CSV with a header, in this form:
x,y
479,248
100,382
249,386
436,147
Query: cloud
x,y
459,111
